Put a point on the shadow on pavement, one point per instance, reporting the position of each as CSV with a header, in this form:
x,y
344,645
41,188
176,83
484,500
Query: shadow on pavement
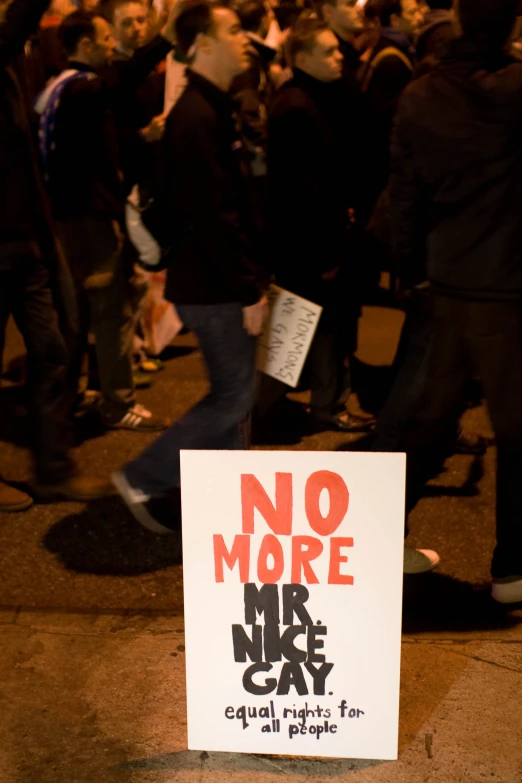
x,y
318,768
105,539
436,602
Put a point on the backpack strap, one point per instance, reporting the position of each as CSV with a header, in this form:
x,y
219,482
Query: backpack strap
x,y
390,51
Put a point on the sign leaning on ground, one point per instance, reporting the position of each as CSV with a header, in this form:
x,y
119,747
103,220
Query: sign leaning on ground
x,y
287,335
293,597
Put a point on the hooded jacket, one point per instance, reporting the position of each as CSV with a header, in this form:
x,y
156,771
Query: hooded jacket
x,y
437,30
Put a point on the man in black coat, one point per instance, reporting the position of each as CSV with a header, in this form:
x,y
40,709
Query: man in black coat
x,y
455,194
29,266
308,206
215,278
79,143
437,29
387,71
138,115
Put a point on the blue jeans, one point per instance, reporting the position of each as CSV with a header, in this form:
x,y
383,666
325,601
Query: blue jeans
x,y
218,420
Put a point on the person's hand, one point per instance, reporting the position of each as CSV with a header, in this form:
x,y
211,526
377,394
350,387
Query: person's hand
x,y
254,317
331,275
155,129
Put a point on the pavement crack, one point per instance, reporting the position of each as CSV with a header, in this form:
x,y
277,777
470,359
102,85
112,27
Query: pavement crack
x,y
479,659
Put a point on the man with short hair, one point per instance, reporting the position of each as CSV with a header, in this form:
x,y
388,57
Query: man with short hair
x,y
455,191
345,19
215,280
437,29
85,183
310,192
139,117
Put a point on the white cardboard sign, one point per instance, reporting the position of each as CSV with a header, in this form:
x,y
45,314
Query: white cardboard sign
x,y
287,335
292,567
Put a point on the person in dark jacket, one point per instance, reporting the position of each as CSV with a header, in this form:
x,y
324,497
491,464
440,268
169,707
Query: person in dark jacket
x,y
79,145
437,29
254,89
139,117
385,74
215,279
308,205
345,20
30,270
455,191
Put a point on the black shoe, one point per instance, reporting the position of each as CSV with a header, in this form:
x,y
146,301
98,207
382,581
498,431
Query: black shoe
x,y
345,422
471,443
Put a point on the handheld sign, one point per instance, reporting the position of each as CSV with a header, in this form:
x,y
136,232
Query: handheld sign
x,y
287,335
292,567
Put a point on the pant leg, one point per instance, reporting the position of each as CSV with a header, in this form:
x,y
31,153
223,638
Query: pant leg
x,y
93,246
324,367
37,320
217,421
449,367
412,363
494,331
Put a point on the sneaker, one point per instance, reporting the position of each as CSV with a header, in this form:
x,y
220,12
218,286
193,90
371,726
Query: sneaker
x,y
82,489
12,499
154,514
507,590
419,561
137,418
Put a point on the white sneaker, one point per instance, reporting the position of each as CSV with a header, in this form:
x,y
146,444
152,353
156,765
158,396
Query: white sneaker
x,y
508,590
419,561
138,504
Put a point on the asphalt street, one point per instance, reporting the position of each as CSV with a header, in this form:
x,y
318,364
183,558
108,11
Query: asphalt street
x,y
76,557
92,653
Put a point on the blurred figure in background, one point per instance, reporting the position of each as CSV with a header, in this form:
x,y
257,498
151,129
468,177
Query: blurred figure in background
x,y
455,190
308,202
437,28
80,151
33,278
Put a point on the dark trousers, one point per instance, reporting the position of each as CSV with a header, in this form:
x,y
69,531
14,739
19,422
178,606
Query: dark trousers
x,y
94,246
409,373
484,339
25,293
219,420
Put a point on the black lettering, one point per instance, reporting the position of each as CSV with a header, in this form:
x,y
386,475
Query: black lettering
x,y
319,675
294,596
258,690
316,644
244,646
264,602
291,674
288,648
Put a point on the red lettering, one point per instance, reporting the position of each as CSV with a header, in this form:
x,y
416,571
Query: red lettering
x,y
339,498
336,558
240,552
270,546
304,549
253,495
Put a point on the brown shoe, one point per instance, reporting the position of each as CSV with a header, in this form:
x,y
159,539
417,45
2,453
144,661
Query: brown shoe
x,y
79,488
12,499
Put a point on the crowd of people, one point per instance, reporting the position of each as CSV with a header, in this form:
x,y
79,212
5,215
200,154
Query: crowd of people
x,y
311,143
